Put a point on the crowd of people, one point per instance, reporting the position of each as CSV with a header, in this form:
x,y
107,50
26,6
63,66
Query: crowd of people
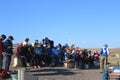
x,y
44,53
41,54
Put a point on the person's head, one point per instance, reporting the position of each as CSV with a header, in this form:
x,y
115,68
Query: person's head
x,y
36,41
89,51
20,44
27,39
81,51
48,46
3,37
10,38
68,50
95,51
46,37
105,45
77,51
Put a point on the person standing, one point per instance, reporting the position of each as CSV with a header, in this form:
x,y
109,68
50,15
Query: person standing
x,y
2,38
104,52
8,45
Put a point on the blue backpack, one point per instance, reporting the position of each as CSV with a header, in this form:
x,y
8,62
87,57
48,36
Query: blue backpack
x,y
105,75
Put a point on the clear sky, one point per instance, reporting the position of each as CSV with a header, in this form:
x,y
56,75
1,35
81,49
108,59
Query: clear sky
x,y
85,23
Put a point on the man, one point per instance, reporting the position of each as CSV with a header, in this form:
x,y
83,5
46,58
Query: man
x,y
2,38
26,51
26,42
8,45
103,58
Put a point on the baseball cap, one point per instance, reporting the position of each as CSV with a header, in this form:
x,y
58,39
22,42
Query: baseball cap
x,y
11,37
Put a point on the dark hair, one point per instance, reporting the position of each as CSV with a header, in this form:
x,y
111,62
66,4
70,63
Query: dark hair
x,y
3,36
37,40
27,39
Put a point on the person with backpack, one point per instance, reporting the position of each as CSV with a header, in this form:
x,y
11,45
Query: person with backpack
x,y
104,58
2,38
8,45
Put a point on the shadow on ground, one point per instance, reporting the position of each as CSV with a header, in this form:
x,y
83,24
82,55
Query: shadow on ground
x,y
51,72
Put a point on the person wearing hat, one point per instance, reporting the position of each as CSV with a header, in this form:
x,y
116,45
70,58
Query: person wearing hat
x,y
104,52
2,38
8,45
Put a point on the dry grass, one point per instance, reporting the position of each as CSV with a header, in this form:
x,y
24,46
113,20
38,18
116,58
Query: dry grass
x,y
114,57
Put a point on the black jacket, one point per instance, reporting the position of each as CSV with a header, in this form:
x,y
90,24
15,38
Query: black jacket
x,y
8,47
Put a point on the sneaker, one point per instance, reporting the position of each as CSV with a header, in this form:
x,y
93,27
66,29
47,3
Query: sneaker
x,y
28,64
38,67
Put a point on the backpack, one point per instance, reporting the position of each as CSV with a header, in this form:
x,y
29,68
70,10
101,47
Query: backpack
x,y
105,75
3,73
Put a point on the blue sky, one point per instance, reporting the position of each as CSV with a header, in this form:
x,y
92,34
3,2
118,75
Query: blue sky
x,y
85,23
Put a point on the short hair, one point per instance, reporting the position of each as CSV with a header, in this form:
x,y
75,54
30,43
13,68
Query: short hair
x,y
106,45
3,36
27,39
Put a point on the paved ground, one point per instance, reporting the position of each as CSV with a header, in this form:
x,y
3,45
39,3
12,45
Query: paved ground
x,y
61,73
